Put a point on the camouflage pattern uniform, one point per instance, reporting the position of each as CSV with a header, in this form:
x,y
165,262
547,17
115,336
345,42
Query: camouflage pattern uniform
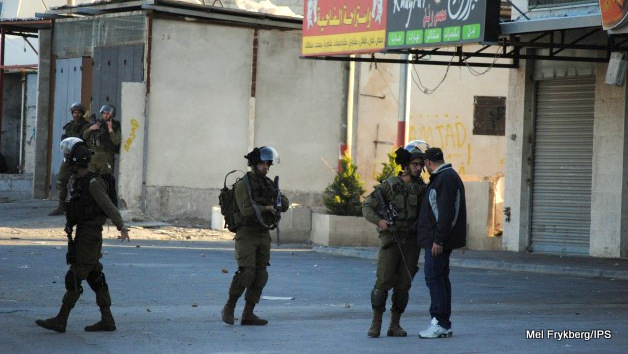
x,y
75,129
104,145
391,270
88,208
252,243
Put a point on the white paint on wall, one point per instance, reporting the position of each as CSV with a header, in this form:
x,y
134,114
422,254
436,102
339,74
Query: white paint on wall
x,y
132,146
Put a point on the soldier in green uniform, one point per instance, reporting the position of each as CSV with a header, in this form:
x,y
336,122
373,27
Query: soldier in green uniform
x,y
89,207
74,128
255,196
398,252
103,138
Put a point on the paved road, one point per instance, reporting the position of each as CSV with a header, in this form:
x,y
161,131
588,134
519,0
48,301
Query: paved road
x,y
167,298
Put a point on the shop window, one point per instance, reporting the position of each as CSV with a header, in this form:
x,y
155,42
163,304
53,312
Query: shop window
x,y
489,115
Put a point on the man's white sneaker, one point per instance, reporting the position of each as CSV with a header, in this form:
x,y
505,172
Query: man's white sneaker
x,y
435,331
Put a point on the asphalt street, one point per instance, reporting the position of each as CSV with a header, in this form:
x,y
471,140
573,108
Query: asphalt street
x,y
167,297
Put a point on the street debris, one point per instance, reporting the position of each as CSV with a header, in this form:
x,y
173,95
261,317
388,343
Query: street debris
x,y
275,298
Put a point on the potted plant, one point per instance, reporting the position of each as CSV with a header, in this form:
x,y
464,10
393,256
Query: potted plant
x,y
343,224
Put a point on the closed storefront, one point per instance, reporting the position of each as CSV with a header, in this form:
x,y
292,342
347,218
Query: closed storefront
x,y
562,165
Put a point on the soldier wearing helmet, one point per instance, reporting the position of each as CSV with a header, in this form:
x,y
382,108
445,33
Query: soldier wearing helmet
x,y
255,196
89,207
399,251
74,128
104,137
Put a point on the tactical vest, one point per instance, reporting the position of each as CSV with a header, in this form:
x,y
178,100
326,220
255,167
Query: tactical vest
x,y
406,197
82,207
74,129
263,193
102,140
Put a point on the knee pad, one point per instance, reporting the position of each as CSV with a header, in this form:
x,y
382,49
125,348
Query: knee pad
x,y
96,280
71,282
246,277
378,299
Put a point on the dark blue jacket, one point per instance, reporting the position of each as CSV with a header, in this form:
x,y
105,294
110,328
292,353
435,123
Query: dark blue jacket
x,y
443,215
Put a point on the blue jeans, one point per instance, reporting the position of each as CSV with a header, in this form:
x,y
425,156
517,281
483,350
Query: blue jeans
x,y
437,280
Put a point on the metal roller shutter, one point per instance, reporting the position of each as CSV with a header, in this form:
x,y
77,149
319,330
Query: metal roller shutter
x,y
563,151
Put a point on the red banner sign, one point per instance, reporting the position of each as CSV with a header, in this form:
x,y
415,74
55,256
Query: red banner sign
x,y
343,27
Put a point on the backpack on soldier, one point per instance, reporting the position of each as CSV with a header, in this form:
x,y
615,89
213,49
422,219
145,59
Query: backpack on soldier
x,y
228,205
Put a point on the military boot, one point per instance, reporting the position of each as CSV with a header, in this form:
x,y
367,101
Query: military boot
x,y
376,325
106,323
228,310
249,318
59,210
57,323
395,330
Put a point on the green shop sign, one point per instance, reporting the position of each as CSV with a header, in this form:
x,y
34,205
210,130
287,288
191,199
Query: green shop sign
x,y
432,23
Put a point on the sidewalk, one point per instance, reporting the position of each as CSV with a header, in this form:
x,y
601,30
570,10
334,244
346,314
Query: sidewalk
x,y
613,268
34,214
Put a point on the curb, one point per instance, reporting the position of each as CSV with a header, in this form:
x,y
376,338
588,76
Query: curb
x,y
371,253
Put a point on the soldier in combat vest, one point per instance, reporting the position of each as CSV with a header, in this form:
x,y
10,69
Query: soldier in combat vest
x,y
74,128
398,253
256,200
89,207
103,138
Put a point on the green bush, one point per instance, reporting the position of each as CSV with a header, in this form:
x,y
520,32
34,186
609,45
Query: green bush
x,y
343,195
390,168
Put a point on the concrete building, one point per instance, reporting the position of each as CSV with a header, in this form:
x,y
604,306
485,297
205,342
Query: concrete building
x,y
197,87
566,166
448,117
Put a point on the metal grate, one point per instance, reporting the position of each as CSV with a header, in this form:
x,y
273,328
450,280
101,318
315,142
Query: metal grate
x,y
563,154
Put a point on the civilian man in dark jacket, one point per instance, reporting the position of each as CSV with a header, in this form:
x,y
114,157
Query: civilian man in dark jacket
x,y
442,228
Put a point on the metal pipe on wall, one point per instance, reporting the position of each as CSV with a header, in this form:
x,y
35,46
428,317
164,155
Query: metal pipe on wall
x,y
2,41
404,103
20,166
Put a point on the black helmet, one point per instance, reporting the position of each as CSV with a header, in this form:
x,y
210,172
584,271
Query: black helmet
x,y
411,151
108,108
77,106
262,154
75,152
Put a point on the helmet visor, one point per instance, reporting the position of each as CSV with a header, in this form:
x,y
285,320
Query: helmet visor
x,y
267,153
67,144
416,146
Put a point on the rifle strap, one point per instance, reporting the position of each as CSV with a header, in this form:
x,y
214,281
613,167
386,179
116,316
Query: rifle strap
x,y
258,212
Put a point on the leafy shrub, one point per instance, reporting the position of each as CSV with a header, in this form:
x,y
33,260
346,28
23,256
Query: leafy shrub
x,y
343,195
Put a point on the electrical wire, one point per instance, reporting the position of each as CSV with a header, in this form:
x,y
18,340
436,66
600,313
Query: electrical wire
x,y
386,82
419,84
477,73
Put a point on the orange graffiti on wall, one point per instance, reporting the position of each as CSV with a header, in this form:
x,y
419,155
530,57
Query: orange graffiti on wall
x,y
449,136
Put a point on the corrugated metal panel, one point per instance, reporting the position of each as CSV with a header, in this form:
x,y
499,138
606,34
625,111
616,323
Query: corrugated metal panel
x,y
561,187
112,66
68,79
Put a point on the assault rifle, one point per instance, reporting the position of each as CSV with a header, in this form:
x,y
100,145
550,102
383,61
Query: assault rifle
x,y
277,206
390,214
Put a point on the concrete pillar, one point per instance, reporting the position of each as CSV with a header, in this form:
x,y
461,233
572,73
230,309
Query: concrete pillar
x,y
608,191
519,132
44,108
130,176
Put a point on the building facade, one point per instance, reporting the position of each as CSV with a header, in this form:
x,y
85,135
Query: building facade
x,y
566,167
